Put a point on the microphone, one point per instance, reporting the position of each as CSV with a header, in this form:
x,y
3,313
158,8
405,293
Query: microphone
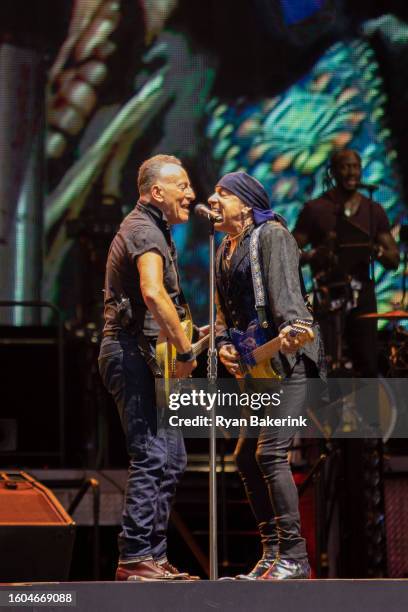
x,y
203,211
368,186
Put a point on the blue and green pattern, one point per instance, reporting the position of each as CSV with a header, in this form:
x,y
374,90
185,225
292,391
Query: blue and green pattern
x,y
286,141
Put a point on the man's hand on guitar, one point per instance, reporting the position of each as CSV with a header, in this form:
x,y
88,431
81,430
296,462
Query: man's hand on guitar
x,y
289,344
293,337
229,356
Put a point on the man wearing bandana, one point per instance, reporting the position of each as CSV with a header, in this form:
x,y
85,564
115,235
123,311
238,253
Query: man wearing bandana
x,y
263,462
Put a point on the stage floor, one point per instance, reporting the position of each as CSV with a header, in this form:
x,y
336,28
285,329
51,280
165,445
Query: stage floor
x,y
290,596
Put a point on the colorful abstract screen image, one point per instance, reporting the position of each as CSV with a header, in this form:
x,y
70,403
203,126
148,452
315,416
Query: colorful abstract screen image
x,y
274,91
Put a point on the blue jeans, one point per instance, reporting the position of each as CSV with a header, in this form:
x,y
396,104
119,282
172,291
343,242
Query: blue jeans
x,y
157,454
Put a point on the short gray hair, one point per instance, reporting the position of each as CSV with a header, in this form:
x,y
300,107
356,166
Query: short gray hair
x,y
150,169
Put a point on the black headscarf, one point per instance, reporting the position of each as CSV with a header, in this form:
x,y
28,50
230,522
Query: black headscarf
x,y
251,192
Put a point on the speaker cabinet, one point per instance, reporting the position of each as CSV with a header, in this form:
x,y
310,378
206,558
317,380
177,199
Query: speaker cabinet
x,y
30,424
396,516
36,533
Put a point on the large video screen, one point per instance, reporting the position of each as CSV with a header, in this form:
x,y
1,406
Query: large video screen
x,y
269,87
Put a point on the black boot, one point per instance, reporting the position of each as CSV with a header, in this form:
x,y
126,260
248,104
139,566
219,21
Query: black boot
x,y
260,568
288,569
269,539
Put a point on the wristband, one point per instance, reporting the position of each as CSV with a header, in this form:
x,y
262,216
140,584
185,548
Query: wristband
x,y
185,357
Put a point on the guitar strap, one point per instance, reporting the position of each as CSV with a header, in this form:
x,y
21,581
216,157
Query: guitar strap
x,y
181,297
257,280
144,348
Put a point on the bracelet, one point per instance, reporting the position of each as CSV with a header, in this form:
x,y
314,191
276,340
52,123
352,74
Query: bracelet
x,y
185,357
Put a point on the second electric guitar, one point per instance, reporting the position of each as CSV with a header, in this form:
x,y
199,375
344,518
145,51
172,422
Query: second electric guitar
x,y
256,352
166,352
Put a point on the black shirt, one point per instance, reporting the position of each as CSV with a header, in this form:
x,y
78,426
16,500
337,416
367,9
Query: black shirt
x,y
144,229
325,215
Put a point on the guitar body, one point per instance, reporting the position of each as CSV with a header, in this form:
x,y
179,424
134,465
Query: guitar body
x,y
256,350
245,343
262,370
166,352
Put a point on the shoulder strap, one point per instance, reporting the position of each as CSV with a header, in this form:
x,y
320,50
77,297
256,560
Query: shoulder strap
x,y
181,295
257,280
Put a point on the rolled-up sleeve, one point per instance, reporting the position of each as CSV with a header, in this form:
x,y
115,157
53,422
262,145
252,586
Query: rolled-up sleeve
x,y
280,258
147,238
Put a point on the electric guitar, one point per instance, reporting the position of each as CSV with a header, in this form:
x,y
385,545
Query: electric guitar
x,y
256,351
166,352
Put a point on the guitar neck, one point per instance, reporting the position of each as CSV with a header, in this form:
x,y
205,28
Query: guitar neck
x,y
200,346
272,347
267,350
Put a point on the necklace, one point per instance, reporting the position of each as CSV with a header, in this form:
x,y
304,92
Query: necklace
x,y
352,206
232,242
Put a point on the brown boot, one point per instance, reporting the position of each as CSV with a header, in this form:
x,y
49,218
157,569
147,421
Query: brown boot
x,y
144,570
173,570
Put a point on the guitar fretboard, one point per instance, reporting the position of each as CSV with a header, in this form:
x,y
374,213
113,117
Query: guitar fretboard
x,y
200,345
267,350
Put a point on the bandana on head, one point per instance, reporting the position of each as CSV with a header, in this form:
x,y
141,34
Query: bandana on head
x,y
251,192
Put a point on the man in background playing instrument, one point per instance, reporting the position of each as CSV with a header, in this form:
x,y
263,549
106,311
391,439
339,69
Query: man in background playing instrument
x,y
263,461
342,273
142,296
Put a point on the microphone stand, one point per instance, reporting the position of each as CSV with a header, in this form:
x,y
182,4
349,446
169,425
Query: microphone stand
x,y
212,378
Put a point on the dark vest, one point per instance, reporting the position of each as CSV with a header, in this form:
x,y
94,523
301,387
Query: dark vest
x,y
235,288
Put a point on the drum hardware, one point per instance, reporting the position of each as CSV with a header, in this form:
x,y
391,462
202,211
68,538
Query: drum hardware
x,y
397,352
335,298
392,315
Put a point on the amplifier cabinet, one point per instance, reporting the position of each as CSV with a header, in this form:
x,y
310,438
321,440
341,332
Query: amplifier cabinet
x,y
36,533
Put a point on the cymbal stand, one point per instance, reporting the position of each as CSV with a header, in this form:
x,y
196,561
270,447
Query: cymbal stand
x,y
336,310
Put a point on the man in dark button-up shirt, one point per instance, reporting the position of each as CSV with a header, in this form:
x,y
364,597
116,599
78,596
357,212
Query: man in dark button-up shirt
x,y
263,461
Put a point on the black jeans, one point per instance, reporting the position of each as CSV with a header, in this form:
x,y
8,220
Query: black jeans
x,y
157,454
264,468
